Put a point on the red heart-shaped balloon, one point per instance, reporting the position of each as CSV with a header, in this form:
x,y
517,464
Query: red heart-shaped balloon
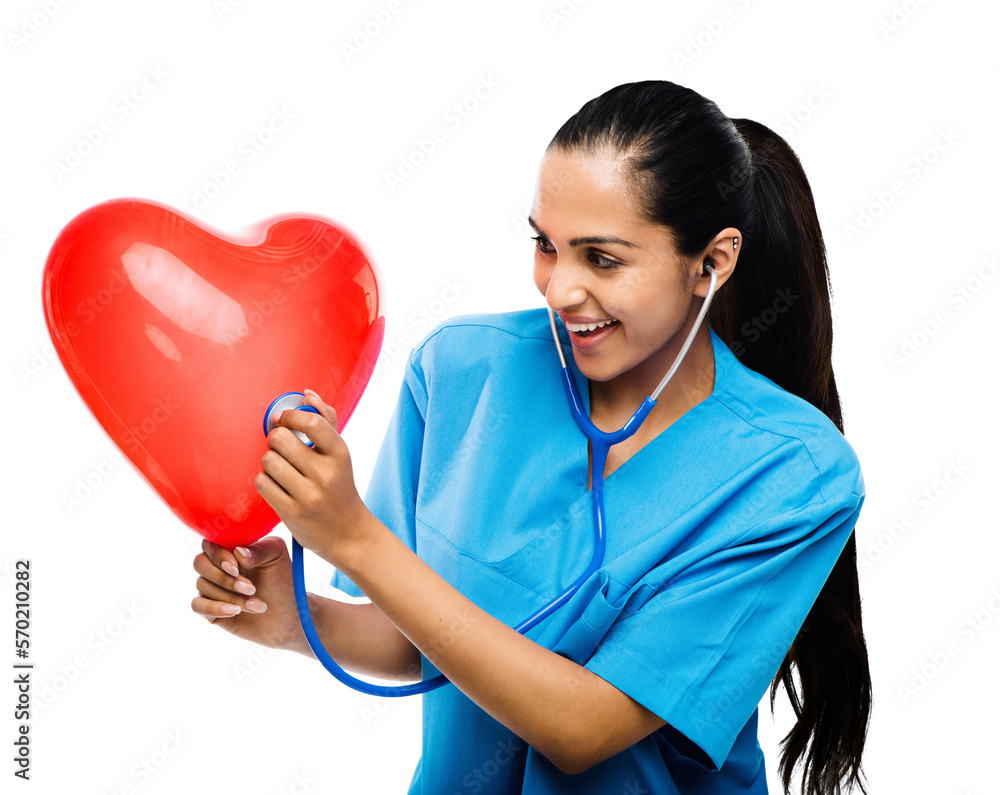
x,y
178,337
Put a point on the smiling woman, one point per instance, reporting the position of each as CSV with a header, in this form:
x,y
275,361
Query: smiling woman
x,y
599,263
730,550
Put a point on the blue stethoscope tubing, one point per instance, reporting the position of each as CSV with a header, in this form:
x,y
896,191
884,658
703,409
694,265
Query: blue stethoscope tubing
x,y
601,442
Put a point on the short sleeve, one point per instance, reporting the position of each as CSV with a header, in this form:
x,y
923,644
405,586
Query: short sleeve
x,y
702,651
392,491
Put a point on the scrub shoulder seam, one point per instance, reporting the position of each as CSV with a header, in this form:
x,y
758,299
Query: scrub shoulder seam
x,y
467,321
480,325
819,472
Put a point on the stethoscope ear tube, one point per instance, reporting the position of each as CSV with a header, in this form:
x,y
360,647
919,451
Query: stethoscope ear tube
x,y
694,330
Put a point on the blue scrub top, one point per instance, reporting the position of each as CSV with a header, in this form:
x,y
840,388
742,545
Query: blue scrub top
x,y
721,531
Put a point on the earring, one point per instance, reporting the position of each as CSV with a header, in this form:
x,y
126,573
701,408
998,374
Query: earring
x,y
736,240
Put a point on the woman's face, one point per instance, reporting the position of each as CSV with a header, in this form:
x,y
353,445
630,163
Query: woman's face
x,y
597,260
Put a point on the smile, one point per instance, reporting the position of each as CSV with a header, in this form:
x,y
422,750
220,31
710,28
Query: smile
x,y
578,327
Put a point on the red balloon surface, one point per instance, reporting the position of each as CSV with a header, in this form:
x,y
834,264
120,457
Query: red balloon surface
x,y
178,337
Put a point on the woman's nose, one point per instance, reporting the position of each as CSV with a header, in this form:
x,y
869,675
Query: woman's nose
x,y
566,287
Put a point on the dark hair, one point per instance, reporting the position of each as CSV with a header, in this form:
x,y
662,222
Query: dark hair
x,y
695,171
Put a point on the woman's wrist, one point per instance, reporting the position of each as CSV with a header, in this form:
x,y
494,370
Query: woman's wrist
x,y
297,642
351,549
359,638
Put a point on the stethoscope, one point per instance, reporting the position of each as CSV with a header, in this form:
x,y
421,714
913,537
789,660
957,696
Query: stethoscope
x,y
601,442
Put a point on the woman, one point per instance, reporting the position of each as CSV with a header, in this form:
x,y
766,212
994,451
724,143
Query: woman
x,y
730,513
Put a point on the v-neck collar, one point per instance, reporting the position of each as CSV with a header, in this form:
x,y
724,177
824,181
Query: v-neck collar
x,y
723,358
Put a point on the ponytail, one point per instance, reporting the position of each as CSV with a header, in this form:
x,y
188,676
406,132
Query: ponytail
x,y
786,253
697,172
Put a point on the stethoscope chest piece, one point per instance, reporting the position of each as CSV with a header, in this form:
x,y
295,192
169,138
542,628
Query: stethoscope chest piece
x,y
289,400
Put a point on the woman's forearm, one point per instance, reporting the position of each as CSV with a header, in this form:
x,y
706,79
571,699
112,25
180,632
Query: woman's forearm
x,y
361,639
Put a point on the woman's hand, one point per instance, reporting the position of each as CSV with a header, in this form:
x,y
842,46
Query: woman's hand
x,y
249,593
312,488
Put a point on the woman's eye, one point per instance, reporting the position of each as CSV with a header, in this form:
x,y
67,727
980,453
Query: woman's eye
x,y
598,260
542,244
603,262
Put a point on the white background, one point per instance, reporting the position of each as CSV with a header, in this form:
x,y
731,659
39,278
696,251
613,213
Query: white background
x,y
867,93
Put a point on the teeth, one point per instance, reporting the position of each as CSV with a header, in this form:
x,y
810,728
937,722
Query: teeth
x,y
589,326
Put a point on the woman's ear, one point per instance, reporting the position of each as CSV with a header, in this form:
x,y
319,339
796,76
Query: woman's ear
x,y
722,252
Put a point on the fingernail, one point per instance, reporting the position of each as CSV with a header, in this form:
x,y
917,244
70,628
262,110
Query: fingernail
x,y
230,610
309,392
229,568
254,605
244,587
244,552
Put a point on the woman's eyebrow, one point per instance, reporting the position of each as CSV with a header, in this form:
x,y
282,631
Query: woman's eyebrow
x,y
590,241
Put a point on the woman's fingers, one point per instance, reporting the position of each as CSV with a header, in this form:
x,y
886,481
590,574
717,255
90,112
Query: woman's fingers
x,y
221,557
224,600
328,412
213,610
204,565
317,427
262,554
